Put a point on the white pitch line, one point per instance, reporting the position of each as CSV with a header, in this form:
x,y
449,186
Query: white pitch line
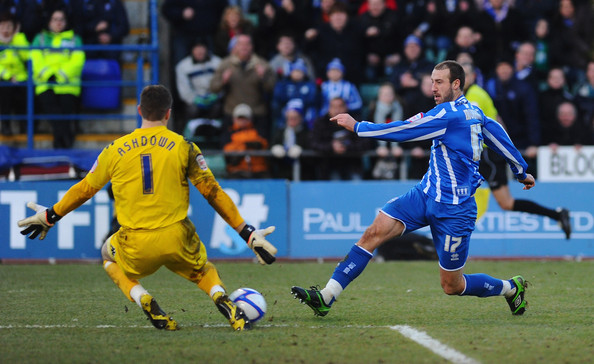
x,y
434,345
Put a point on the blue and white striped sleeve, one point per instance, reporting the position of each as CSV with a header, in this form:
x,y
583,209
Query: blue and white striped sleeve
x,y
421,127
497,139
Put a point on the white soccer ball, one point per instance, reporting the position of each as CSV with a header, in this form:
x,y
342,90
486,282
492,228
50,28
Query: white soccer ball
x,y
251,302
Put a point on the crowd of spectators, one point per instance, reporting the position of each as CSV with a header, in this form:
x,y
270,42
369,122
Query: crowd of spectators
x,y
535,59
305,59
53,29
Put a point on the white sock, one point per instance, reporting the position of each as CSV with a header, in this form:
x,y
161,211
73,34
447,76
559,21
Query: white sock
x,y
331,292
216,288
507,291
137,292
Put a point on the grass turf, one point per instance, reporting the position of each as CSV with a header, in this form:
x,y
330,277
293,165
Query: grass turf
x,y
74,313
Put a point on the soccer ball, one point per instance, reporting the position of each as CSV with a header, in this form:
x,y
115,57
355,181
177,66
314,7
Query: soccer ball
x,y
251,302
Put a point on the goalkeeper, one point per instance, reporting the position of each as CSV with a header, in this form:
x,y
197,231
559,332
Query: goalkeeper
x,y
149,170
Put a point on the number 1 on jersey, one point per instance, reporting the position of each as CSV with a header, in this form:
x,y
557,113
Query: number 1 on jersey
x,y
146,163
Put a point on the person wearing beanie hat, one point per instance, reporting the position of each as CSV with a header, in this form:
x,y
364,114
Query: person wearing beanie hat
x,y
289,141
336,86
296,86
335,64
406,75
413,39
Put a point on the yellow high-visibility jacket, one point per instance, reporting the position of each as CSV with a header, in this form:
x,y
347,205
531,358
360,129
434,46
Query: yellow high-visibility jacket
x,y
13,61
63,63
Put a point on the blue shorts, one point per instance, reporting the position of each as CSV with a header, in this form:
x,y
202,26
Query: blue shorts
x,y
451,225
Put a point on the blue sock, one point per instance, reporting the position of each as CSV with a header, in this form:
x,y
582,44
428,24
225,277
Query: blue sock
x,y
351,266
482,285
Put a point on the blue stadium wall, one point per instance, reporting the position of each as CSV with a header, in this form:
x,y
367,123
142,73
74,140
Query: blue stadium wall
x,y
313,220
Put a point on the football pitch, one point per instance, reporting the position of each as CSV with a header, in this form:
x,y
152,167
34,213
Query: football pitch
x,y
395,312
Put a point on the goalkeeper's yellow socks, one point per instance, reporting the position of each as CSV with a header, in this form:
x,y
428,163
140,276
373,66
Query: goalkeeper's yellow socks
x,y
210,282
119,278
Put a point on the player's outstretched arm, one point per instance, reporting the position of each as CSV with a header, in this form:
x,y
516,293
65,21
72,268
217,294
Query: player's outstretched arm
x,y
256,240
528,182
40,223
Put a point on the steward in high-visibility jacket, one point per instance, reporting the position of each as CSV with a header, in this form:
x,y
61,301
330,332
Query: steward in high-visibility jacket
x,y
61,64
13,62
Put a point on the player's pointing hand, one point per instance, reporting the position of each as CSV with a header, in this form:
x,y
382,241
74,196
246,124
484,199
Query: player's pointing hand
x,y
345,120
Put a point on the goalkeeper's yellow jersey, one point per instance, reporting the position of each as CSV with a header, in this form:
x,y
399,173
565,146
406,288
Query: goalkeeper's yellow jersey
x,y
149,170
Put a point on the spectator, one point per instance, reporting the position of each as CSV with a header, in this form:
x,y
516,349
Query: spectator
x,y
320,16
571,38
336,86
297,86
340,38
517,104
340,152
421,98
584,94
57,75
406,75
532,11
244,137
568,129
36,14
386,109
232,23
190,19
502,29
433,32
13,69
382,39
288,53
101,22
280,17
469,41
464,15
541,40
524,65
289,141
466,58
549,101
246,78
193,75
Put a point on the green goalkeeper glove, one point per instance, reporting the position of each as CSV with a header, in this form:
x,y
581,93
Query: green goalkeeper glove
x,y
255,240
40,223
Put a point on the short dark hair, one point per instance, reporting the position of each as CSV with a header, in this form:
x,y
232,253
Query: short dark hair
x,y
155,101
456,71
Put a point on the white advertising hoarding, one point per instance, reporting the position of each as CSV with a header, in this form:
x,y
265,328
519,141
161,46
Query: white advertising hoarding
x,y
566,164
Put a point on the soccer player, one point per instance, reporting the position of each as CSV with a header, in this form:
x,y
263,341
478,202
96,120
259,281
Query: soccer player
x,y
493,166
149,171
443,199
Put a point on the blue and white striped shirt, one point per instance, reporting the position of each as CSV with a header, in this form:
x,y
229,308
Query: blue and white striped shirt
x,y
458,130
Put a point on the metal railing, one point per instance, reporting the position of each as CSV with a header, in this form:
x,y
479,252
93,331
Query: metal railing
x,y
152,55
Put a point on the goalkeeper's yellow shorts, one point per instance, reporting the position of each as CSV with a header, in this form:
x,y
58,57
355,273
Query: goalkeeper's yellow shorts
x,y
141,252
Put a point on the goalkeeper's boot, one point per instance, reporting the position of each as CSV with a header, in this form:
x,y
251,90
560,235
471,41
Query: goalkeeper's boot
x,y
313,298
237,318
156,315
516,302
